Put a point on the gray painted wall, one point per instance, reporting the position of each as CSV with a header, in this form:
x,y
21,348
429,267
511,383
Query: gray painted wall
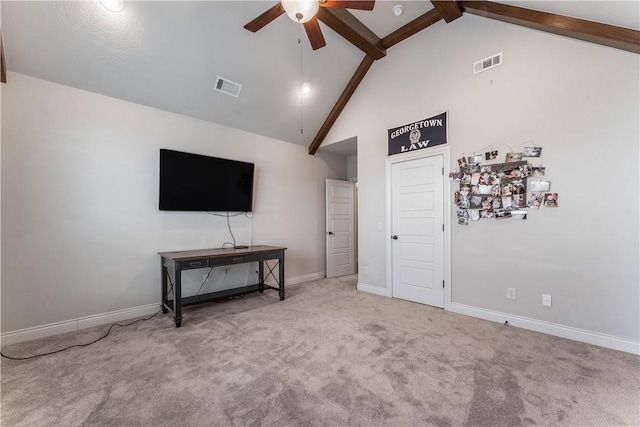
x,y
577,100
80,220
352,168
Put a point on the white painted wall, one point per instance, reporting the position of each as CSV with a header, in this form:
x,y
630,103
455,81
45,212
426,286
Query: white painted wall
x,y
577,100
1,187
80,219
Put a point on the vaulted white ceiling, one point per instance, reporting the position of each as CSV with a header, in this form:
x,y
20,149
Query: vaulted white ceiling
x,y
167,55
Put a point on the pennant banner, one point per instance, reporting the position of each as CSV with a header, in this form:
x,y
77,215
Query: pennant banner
x,y
425,133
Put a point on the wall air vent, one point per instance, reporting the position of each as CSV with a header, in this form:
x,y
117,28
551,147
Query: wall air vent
x,y
227,86
487,63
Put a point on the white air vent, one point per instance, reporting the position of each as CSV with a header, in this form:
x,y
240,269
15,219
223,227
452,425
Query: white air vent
x,y
227,86
487,63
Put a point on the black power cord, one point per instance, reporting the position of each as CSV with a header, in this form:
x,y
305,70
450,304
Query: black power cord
x,y
81,345
229,227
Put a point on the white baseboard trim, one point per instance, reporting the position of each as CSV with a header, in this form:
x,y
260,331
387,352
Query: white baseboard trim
x,y
374,289
294,280
305,278
582,335
73,325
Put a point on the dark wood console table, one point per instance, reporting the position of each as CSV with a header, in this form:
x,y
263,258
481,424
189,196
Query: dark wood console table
x,y
174,262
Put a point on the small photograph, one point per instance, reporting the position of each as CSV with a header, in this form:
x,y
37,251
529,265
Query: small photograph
x,y
476,202
518,186
525,170
501,214
475,159
507,189
462,163
496,190
484,189
484,178
513,173
537,171
487,203
519,214
507,202
485,168
474,215
475,178
474,189
497,203
486,214
501,167
539,185
550,200
464,202
465,190
455,176
531,151
535,200
517,201
513,157
491,155
463,217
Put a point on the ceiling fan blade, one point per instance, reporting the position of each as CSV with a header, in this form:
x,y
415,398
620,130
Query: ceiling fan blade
x,y
3,62
265,18
314,33
350,4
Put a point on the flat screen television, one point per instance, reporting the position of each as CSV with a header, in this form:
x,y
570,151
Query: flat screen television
x,y
193,182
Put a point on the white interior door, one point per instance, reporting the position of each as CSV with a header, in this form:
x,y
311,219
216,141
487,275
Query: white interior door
x,y
417,228
340,228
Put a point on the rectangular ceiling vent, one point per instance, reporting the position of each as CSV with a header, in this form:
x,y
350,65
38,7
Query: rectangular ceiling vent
x,y
487,63
227,86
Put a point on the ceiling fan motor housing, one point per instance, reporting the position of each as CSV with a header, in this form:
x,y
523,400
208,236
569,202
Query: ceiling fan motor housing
x,y
300,11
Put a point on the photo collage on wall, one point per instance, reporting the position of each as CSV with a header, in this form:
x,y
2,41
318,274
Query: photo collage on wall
x,y
489,190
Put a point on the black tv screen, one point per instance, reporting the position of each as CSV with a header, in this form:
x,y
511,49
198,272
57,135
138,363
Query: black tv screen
x,y
193,182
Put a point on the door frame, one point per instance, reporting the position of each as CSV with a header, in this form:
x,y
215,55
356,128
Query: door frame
x,y
445,152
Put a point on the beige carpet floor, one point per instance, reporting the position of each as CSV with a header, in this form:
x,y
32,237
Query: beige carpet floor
x,y
326,356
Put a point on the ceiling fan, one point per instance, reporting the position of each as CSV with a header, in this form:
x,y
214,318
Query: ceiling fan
x,y
304,12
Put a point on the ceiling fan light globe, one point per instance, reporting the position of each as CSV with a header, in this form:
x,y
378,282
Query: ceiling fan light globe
x,y
113,5
300,11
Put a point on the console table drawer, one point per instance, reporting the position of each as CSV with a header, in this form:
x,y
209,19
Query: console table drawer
x,y
272,256
237,259
195,263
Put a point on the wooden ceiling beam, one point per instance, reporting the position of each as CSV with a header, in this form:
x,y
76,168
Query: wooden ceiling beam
x,y
420,23
341,103
594,32
448,9
3,62
397,36
348,26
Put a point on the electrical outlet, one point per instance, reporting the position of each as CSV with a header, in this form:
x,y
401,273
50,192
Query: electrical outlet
x,y
365,269
546,300
511,293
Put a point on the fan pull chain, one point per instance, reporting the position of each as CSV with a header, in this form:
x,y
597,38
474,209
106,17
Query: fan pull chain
x,y
300,84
